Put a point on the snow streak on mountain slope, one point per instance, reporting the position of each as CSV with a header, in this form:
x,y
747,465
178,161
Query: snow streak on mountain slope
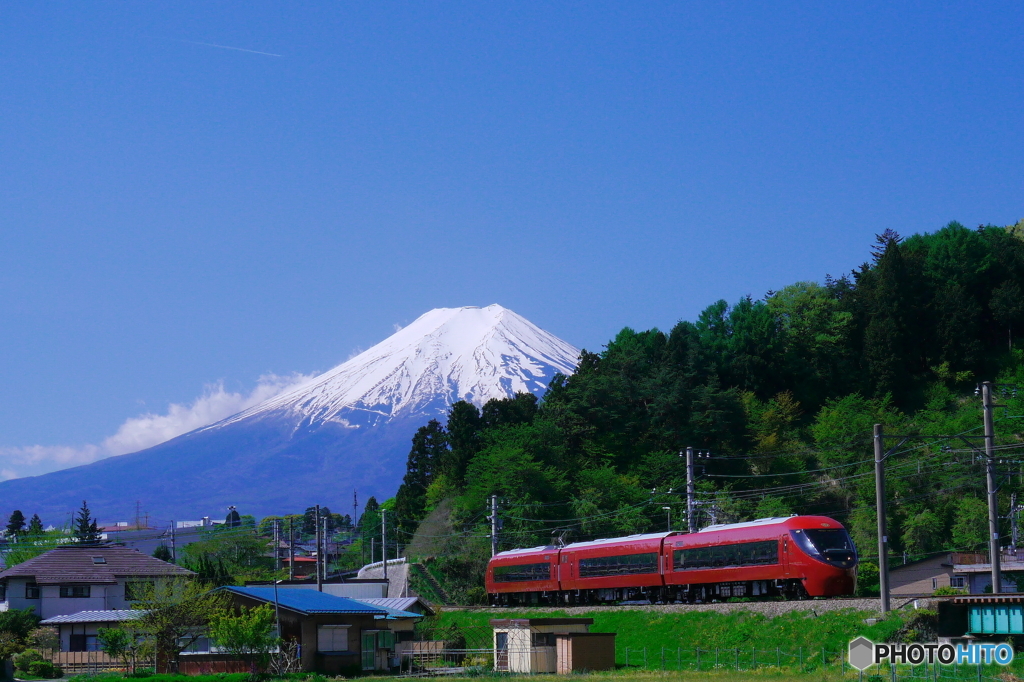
x,y
446,355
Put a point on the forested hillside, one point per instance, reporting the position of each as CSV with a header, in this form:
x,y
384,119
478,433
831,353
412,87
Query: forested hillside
x,y
782,392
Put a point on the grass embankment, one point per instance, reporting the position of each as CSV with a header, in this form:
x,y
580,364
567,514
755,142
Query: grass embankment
x,y
744,630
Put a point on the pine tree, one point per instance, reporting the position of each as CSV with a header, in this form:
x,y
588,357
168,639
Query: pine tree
x,y
429,446
162,552
86,530
35,525
16,523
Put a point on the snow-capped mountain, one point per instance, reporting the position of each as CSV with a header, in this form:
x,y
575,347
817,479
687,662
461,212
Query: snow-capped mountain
x,y
344,430
447,355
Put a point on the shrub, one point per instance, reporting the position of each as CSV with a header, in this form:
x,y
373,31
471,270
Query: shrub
x,y
26,658
45,669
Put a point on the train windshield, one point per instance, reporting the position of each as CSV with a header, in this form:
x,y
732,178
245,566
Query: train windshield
x,y
833,546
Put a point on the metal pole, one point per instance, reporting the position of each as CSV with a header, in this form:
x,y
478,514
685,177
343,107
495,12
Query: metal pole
x,y
691,525
277,610
277,546
384,542
883,539
494,525
1013,522
990,480
327,551
174,553
291,549
319,553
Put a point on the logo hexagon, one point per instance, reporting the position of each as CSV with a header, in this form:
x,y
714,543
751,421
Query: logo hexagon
x,y
862,653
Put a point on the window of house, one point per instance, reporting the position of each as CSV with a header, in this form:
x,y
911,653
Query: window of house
x,y
958,581
331,638
84,643
99,560
3,592
74,591
31,591
137,589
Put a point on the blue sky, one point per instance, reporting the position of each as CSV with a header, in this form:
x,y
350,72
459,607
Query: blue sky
x,y
179,219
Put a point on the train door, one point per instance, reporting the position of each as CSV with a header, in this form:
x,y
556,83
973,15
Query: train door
x,y
784,542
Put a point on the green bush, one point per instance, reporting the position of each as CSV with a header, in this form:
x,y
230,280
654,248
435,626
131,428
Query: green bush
x,y
25,659
45,669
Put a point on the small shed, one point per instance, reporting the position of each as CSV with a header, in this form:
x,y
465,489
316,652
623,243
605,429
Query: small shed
x,y
547,645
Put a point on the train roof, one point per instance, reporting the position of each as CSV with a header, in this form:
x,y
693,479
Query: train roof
x,y
615,541
768,521
793,521
528,550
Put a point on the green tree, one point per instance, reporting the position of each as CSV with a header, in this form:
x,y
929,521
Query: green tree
x,y
162,552
35,525
15,524
177,611
122,644
86,531
247,634
429,446
923,533
970,529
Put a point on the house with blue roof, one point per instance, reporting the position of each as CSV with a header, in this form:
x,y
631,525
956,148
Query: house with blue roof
x,y
335,635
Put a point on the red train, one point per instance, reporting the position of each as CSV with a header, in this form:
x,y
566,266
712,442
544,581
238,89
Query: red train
x,y
795,557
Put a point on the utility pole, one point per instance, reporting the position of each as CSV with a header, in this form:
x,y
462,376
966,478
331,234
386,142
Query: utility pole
x,y
990,480
384,547
691,522
174,554
1013,523
327,551
355,512
291,549
277,544
494,524
883,539
319,553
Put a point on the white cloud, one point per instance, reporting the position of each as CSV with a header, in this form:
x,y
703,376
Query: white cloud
x,y
146,430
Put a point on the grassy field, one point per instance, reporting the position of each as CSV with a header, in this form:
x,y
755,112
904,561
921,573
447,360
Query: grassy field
x,y
785,637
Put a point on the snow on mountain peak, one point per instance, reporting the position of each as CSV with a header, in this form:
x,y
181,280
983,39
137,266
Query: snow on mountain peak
x,y
446,355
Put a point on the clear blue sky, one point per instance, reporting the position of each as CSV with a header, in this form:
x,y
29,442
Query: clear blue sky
x,y
175,214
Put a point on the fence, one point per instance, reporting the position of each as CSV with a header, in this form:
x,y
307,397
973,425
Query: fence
x,y
801,660
77,662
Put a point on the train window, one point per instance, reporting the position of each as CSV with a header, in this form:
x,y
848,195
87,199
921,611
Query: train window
x,y
522,573
831,546
742,554
625,564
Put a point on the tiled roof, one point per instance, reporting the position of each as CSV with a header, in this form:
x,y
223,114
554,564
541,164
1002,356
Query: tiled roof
x,y
308,601
91,564
398,603
109,616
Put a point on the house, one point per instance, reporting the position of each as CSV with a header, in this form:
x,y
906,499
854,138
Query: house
x,y
335,634
78,650
921,578
548,645
75,578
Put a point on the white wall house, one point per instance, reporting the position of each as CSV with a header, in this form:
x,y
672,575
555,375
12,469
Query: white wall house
x,y
76,578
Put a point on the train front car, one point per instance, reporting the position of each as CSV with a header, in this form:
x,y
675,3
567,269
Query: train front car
x,y
795,557
613,570
520,577
822,554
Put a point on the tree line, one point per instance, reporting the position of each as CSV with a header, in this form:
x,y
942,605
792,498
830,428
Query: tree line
x,y
780,392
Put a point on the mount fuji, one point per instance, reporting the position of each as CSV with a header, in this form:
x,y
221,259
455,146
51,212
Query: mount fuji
x,y
348,429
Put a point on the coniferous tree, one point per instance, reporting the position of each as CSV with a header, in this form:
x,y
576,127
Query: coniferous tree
x,y
35,525
86,531
429,446
162,552
16,523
